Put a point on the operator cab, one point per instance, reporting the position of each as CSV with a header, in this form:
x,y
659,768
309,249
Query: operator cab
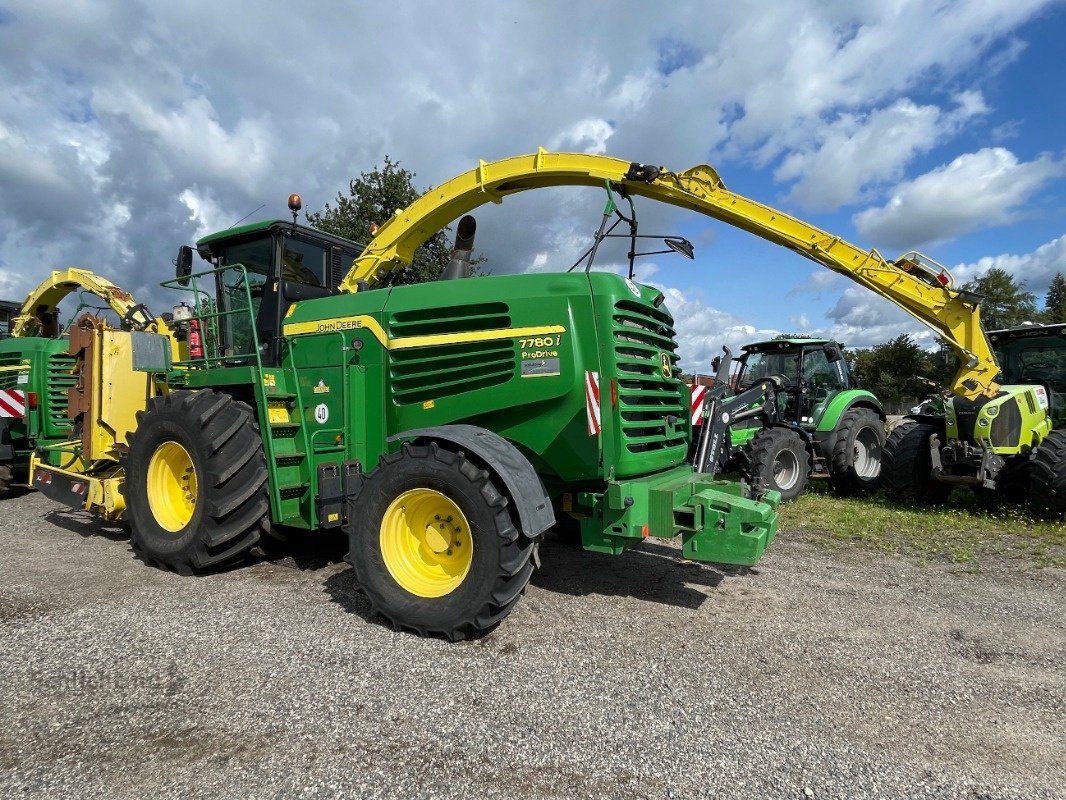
x,y
282,264
1035,354
808,373
9,309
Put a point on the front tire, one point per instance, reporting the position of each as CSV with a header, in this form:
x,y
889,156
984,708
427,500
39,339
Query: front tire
x,y
907,469
778,459
196,482
1047,482
433,544
855,463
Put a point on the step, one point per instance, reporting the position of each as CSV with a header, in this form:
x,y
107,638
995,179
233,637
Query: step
x,y
291,458
293,489
278,427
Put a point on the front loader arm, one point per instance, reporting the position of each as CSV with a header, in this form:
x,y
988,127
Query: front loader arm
x,y
930,297
63,282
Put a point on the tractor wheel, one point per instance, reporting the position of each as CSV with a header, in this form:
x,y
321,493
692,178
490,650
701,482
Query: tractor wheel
x,y
6,477
855,463
196,482
433,544
906,468
1047,484
778,459
1014,480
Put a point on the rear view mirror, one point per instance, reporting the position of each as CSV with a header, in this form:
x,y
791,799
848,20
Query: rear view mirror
x,y
832,352
716,362
183,265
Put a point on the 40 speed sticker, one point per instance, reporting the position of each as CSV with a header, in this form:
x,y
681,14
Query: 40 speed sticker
x,y
321,413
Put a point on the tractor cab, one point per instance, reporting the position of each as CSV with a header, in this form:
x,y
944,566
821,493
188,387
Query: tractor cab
x,y
1035,354
807,373
9,309
259,271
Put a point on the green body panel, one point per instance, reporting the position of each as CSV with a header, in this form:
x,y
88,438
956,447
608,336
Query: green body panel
x,y
48,373
526,383
237,232
739,437
829,411
512,354
577,370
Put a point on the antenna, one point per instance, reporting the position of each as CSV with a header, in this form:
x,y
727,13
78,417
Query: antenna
x,y
242,219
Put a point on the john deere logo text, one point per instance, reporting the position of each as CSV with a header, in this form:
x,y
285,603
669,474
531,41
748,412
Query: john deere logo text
x,y
664,363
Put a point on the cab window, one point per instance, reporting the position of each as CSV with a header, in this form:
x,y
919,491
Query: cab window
x,y
303,262
821,373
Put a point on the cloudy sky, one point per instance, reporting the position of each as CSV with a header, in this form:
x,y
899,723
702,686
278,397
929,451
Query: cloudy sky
x,y
128,128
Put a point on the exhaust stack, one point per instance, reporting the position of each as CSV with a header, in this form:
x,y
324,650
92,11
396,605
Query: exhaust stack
x,y
459,265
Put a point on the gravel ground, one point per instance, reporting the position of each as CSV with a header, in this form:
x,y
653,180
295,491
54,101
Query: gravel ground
x,y
823,673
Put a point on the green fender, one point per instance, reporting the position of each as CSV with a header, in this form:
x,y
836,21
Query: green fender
x,y
843,402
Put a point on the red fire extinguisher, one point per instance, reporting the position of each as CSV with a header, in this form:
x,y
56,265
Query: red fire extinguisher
x,y
196,345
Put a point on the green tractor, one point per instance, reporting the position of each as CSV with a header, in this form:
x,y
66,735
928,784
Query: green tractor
x,y
820,422
1013,444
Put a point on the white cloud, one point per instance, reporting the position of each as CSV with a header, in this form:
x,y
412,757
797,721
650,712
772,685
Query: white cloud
x,y
132,105
1035,269
860,318
204,211
856,150
982,188
586,135
703,330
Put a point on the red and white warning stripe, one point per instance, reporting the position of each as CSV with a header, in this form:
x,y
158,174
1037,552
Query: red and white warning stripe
x,y
592,402
12,403
696,395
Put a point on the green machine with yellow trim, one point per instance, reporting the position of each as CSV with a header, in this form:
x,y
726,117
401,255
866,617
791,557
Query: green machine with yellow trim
x,y
39,375
443,425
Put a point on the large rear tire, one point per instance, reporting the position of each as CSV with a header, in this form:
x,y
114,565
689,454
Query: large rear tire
x,y
907,469
1047,483
196,482
778,459
7,475
434,546
855,463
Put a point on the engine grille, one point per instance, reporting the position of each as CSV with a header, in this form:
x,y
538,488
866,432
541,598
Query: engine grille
x,y
1007,425
60,379
442,370
652,406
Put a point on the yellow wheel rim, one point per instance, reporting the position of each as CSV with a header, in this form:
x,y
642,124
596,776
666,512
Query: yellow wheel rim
x,y
172,486
425,543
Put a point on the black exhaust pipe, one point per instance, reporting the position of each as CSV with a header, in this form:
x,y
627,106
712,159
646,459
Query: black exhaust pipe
x,y
459,265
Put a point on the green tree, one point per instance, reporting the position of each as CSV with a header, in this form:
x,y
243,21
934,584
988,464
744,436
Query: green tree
x,y
373,198
889,369
1006,301
1055,300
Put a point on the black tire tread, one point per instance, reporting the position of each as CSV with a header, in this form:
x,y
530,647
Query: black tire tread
x,y
1047,481
905,466
842,476
516,553
236,502
756,459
